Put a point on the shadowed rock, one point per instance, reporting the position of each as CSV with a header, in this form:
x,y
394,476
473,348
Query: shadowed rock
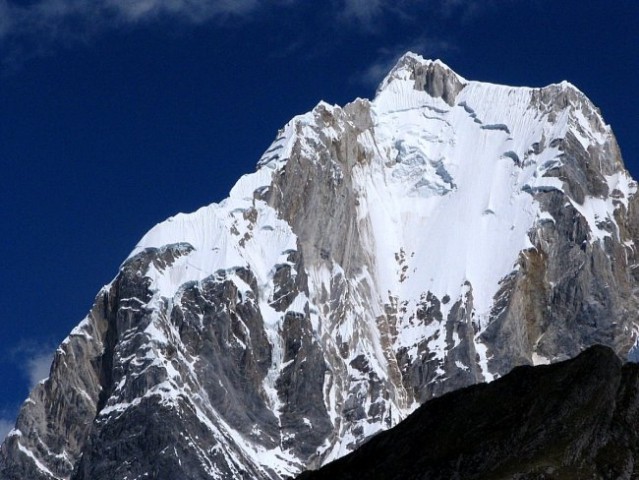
x,y
575,419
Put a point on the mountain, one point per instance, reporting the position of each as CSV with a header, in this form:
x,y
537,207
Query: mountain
x,y
382,254
572,420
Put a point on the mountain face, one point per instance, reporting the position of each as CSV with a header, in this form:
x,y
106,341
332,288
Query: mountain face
x,y
573,420
383,253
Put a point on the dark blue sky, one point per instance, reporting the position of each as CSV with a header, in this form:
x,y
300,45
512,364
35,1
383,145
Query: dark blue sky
x,y
114,117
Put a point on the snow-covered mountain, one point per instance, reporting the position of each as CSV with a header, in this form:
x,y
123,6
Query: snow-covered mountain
x,y
383,253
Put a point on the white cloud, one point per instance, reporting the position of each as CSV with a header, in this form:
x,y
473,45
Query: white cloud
x,y
34,360
35,27
363,11
52,18
5,427
37,367
371,14
47,19
376,71
193,10
7,421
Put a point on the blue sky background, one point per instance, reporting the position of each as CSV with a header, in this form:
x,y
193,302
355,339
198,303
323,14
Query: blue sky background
x,y
115,114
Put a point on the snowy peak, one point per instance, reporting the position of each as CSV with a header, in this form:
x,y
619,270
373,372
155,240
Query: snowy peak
x,y
431,76
441,82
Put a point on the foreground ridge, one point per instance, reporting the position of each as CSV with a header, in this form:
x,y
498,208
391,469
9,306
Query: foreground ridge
x,y
382,254
574,419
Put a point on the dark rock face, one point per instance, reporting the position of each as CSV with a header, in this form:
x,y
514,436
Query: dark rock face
x,y
421,375
561,297
575,419
162,436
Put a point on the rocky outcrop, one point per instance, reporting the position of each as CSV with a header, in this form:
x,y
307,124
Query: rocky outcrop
x,y
575,419
383,254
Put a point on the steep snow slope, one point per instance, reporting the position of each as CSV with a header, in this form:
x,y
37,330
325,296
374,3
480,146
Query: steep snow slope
x,y
383,253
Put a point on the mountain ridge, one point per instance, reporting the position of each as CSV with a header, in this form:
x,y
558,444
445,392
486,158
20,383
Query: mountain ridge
x,y
573,419
382,254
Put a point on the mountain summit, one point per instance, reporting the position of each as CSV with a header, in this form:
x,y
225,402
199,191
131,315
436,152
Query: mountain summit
x,y
383,253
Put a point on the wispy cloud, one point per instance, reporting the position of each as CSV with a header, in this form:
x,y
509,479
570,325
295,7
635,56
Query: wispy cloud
x,y
34,360
372,14
34,27
364,12
8,414
192,10
427,16
38,26
60,17
5,428
49,16
37,366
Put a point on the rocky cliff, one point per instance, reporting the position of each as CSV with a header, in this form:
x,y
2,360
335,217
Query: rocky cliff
x,y
383,253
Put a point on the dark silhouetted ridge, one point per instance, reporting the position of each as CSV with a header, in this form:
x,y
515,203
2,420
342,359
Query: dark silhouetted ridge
x,y
572,420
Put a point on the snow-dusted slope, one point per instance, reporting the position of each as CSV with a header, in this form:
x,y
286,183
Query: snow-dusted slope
x,y
382,253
